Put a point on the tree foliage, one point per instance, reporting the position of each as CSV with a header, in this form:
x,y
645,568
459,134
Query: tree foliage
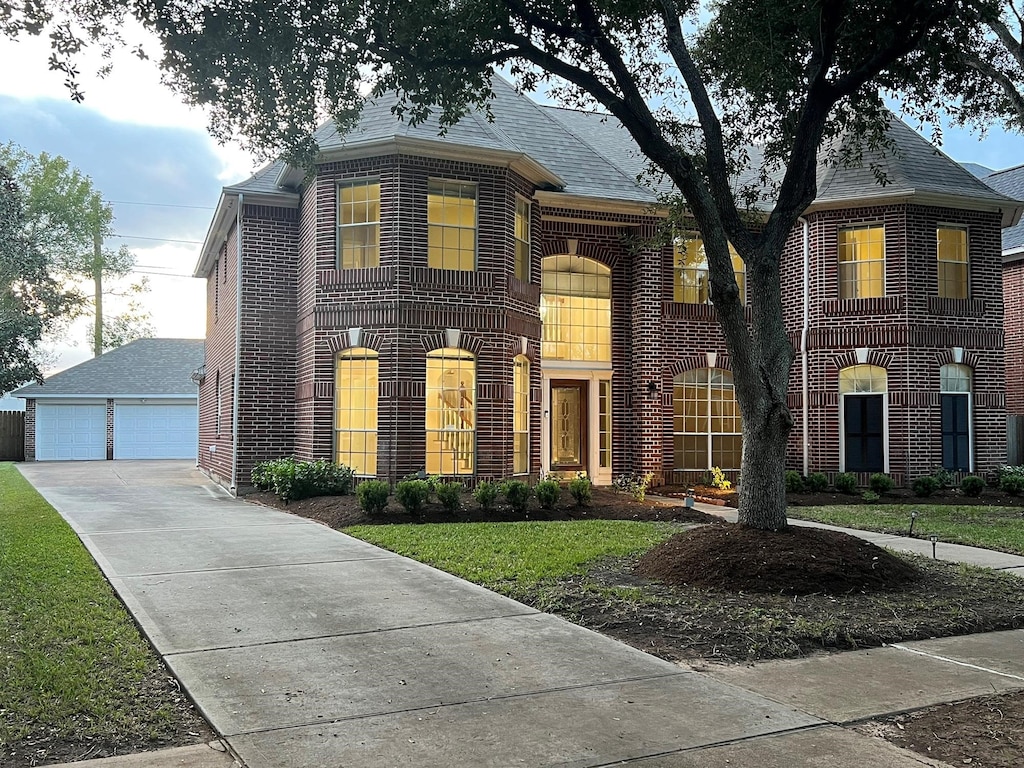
x,y
30,298
699,86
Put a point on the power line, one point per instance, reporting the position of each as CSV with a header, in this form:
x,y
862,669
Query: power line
x,y
160,239
161,205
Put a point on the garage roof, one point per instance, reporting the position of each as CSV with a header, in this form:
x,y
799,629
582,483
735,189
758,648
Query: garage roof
x,y
141,368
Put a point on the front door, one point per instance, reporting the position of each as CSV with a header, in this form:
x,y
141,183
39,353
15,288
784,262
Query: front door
x,y
568,426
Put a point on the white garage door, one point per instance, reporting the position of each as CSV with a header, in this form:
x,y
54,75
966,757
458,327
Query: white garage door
x,y
155,431
66,432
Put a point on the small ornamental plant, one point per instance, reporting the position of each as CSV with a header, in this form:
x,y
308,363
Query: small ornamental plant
x,y
486,494
794,482
718,479
1012,484
412,495
517,494
449,494
817,482
972,485
635,485
547,492
881,483
925,485
846,482
582,490
373,496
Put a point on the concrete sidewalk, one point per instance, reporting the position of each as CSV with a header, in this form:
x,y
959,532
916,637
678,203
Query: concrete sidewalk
x,y
305,647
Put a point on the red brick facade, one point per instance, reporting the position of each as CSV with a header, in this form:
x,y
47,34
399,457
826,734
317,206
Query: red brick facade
x,y
298,310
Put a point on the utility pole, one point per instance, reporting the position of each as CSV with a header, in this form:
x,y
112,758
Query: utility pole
x,y
97,278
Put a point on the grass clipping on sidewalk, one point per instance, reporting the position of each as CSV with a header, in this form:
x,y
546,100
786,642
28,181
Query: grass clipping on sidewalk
x,y
76,678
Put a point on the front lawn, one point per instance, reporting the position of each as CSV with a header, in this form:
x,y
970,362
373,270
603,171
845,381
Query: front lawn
x,y
584,572
509,557
76,678
999,528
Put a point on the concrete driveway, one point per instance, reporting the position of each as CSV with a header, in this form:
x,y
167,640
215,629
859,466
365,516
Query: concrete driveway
x,y
305,647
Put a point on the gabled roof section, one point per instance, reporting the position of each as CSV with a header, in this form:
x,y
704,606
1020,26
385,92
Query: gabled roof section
x,y
1010,181
141,368
914,168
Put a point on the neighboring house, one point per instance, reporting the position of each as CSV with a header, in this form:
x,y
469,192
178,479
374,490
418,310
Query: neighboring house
x,y
497,302
134,402
1011,182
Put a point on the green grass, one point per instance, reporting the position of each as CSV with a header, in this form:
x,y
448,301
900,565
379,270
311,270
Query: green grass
x,y
512,556
999,528
72,664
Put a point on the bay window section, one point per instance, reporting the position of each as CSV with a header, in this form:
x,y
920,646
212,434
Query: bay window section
x,y
451,412
951,253
451,225
862,262
522,238
521,415
355,411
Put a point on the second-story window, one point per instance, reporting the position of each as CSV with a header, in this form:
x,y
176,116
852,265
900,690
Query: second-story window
x,y
359,225
522,236
691,282
951,250
862,262
451,225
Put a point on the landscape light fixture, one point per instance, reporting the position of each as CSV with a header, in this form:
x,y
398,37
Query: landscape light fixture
x,y
913,517
934,539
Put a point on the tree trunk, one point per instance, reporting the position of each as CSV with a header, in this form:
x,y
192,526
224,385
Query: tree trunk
x,y
762,502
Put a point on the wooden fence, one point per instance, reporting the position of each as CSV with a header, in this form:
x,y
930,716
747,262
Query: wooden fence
x,y
12,435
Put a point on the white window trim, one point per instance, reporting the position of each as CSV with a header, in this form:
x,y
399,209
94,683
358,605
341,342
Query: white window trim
x,y
970,414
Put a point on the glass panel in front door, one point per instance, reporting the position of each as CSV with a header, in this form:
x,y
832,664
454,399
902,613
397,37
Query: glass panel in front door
x,y
566,440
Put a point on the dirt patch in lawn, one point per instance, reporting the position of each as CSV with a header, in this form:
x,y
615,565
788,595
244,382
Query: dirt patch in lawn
x,y
986,732
606,504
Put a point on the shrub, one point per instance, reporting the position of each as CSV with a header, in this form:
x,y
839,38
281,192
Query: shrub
x,y
870,497
817,482
582,490
925,485
1012,484
486,493
449,494
517,494
794,482
880,483
972,485
1008,470
943,477
548,492
846,482
292,479
373,496
412,495
718,479
634,485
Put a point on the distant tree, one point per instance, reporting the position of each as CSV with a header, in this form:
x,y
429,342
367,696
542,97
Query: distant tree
x,y
694,83
69,222
30,297
134,323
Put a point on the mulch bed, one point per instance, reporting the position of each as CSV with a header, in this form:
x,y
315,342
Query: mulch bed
x,y
986,732
990,497
796,561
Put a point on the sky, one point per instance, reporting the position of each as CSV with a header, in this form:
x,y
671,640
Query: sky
x,y
153,160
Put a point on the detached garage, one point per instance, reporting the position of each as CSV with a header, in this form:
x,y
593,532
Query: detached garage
x,y
134,402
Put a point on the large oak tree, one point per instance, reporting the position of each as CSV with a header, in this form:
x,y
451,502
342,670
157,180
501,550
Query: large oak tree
x,y
695,84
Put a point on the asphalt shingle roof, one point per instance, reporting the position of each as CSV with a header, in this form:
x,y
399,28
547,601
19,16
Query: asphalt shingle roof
x,y
1010,181
145,367
596,157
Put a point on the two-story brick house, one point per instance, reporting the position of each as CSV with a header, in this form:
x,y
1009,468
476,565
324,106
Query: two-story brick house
x,y
497,301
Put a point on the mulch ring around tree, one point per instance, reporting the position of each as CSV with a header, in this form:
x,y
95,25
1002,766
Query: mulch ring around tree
x,y
606,504
794,561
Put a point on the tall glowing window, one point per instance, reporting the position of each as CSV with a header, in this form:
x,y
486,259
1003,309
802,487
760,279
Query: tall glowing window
x,y
522,238
576,309
692,284
355,410
604,424
951,252
451,225
359,225
451,412
707,424
862,262
521,415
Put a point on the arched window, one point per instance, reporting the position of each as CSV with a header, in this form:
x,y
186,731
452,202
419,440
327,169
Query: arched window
x,y
520,415
955,398
706,421
451,412
355,410
576,309
862,390
692,284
